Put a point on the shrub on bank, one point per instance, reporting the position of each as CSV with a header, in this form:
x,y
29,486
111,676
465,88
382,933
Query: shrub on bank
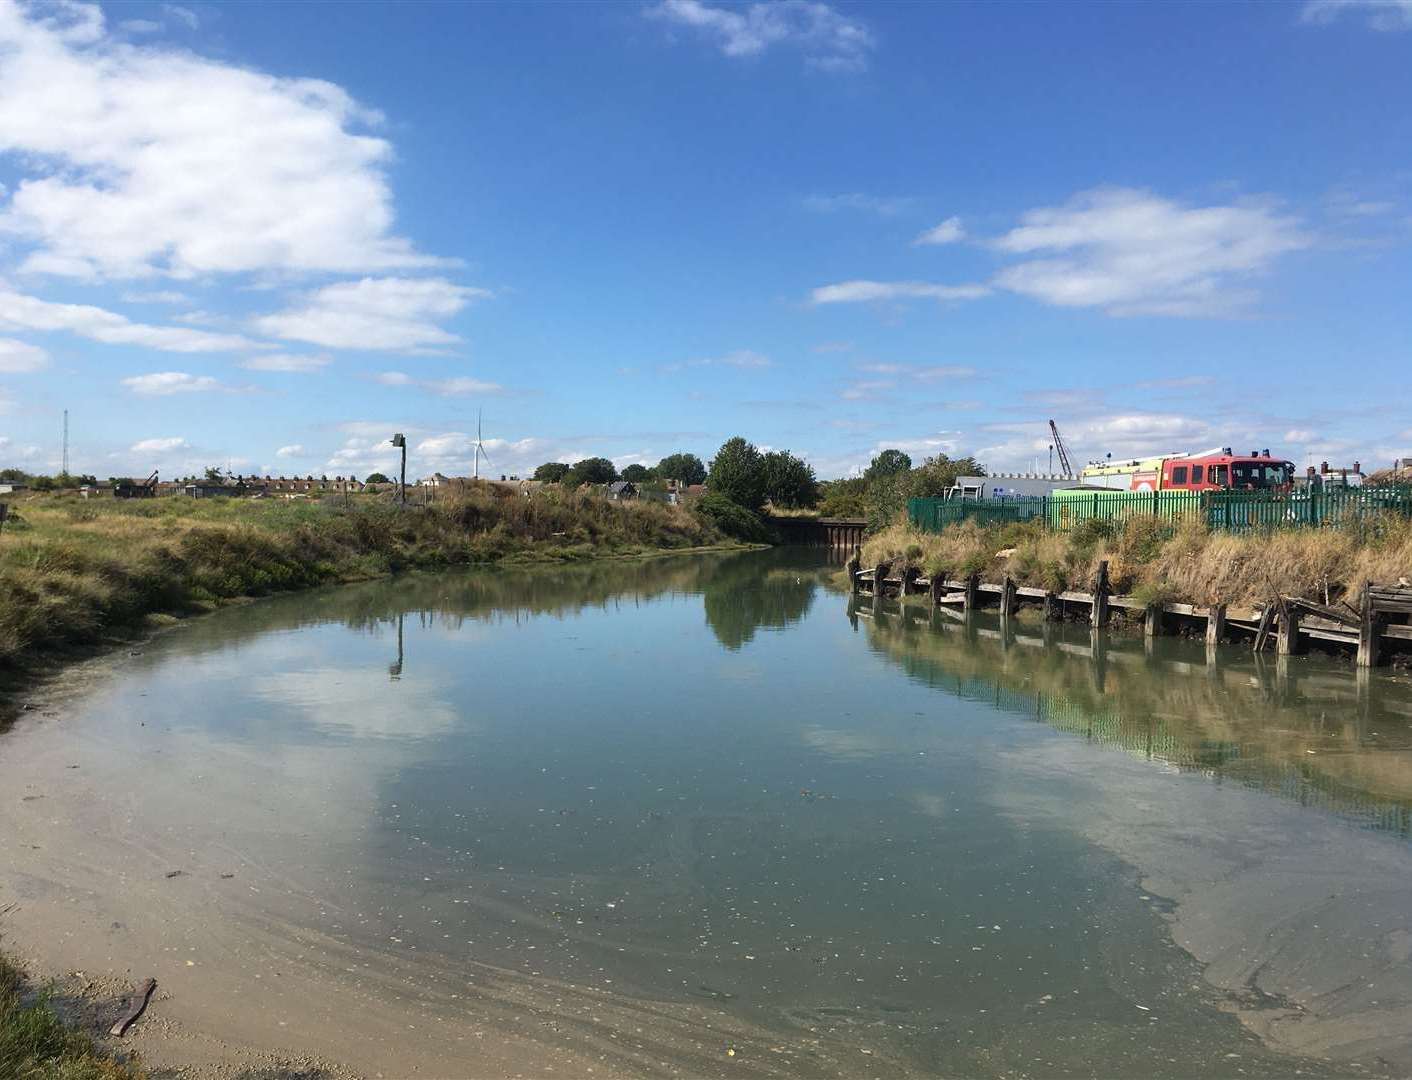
x,y
732,519
1152,557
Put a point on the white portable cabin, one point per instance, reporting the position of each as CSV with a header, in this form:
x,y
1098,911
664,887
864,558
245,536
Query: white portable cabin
x,y
1007,485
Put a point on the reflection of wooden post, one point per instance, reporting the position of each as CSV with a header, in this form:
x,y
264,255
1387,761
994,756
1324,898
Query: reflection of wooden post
x,y
1098,647
1368,630
973,582
1100,596
1216,624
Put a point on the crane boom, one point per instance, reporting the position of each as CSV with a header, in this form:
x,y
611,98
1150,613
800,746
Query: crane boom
x,y
1063,451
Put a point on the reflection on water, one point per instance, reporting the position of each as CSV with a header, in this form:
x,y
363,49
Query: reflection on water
x,y
694,789
1315,733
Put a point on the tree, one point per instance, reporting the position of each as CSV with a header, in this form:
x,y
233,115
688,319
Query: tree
x,y
638,474
214,475
593,470
551,472
377,478
738,473
789,481
844,498
937,475
887,463
686,468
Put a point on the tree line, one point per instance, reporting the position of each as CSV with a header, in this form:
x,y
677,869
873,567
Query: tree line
x,y
742,480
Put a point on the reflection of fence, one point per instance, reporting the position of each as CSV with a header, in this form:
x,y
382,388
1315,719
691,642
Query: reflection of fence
x,y
1228,511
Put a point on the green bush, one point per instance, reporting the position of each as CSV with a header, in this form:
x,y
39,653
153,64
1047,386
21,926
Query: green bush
x,y
732,519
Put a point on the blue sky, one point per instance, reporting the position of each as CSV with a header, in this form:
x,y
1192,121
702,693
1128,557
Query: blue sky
x,y
270,235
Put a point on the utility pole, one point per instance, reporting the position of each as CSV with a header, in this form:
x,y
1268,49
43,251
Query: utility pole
x,y
400,440
66,442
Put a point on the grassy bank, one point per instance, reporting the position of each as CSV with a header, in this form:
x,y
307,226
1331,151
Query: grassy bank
x,y
73,572
36,1043
1160,561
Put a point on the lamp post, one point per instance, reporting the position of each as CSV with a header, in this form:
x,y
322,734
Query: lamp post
x,y
400,440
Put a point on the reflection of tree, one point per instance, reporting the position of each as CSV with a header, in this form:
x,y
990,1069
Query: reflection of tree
x,y
784,578
739,598
1315,736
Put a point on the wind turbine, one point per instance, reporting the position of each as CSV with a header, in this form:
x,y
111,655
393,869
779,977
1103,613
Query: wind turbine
x,y
480,448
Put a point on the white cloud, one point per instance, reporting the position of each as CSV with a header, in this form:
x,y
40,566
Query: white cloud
x,y
157,296
30,313
183,15
856,292
867,389
296,450
1300,435
882,205
740,358
1134,253
287,362
163,383
457,386
19,357
1386,15
139,26
397,314
461,386
159,446
949,231
926,372
828,40
1124,435
151,160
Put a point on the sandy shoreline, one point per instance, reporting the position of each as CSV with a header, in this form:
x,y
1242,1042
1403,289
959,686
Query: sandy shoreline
x,y
240,990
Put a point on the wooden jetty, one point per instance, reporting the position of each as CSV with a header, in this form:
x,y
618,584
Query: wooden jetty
x,y
1383,613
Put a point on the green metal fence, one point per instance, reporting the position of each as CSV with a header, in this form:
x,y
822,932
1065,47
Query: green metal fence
x,y
933,515
1227,511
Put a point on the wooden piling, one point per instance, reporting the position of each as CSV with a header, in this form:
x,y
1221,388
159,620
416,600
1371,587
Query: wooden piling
x,y
1099,617
1007,597
1152,621
1053,609
1369,627
1288,641
909,581
973,582
938,587
855,564
1215,624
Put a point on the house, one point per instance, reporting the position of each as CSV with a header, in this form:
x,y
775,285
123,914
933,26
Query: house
x,y
211,489
12,487
441,480
622,489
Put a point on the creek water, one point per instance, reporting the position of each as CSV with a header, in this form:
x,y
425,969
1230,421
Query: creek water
x,y
708,815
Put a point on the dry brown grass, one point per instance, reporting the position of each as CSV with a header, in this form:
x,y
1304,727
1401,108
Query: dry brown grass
x,y
73,570
1147,556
